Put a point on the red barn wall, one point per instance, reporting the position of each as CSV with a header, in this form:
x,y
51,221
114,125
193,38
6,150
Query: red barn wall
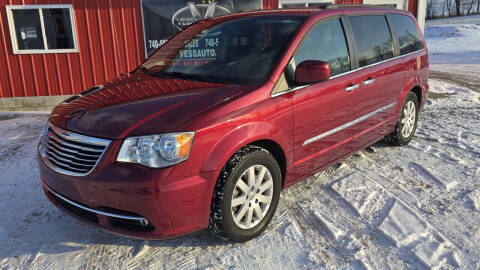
x,y
413,7
110,42
99,58
270,4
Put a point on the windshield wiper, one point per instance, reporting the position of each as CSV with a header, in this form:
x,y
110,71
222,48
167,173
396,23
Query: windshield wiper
x,y
142,69
156,74
175,75
195,77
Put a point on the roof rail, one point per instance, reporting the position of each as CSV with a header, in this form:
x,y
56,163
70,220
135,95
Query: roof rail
x,y
357,6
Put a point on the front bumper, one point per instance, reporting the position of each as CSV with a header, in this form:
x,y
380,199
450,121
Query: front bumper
x,y
120,197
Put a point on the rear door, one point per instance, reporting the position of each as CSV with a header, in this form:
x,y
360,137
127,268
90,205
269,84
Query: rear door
x,y
381,77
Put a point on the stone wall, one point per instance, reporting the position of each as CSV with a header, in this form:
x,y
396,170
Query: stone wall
x,y
45,103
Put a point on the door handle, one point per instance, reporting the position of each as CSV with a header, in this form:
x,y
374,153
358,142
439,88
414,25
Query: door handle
x,y
369,81
351,87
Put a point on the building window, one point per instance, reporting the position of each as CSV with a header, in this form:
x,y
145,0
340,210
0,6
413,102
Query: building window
x,y
42,29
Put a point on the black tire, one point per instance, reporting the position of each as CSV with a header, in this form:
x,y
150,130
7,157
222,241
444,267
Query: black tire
x,y
397,138
221,221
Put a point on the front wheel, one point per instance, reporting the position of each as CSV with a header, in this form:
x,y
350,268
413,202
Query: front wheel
x,y
407,122
246,195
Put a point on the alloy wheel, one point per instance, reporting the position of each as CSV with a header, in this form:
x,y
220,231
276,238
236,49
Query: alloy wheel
x,y
408,120
252,196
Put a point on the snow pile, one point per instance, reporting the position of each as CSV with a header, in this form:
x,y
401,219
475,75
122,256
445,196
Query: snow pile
x,y
452,31
453,44
471,19
455,47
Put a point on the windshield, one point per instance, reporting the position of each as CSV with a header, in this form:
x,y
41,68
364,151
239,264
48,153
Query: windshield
x,y
238,51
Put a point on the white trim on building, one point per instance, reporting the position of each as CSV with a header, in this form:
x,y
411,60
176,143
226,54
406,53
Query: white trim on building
x,y
400,4
40,8
421,13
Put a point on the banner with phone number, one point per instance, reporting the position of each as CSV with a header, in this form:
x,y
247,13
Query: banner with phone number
x,y
164,18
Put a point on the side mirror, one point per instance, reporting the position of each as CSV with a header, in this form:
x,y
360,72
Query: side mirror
x,y
312,71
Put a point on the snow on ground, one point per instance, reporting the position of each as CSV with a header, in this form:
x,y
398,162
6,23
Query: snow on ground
x,y
453,44
411,207
455,20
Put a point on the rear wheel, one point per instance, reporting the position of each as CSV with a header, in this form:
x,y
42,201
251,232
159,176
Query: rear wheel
x,y
407,121
246,195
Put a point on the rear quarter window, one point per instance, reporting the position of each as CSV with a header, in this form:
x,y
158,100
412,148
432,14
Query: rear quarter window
x,y
407,34
373,39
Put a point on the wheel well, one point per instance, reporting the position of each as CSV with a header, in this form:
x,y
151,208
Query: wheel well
x,y
418,91
276,150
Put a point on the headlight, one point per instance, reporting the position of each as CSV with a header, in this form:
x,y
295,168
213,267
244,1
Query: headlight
x,y
157,151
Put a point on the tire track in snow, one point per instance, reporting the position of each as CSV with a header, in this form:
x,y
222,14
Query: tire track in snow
x,y
326,231
407,199
427,175
371,205
467,81
347,229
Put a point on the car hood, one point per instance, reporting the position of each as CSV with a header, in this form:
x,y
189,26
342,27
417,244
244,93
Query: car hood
x,y
140,105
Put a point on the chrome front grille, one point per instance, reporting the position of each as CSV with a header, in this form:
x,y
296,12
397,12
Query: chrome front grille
x,y
70,153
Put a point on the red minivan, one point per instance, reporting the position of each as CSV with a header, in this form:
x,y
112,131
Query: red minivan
x,y
211,127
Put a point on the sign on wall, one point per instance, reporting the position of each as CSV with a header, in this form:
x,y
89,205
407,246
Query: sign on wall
x,y
164,18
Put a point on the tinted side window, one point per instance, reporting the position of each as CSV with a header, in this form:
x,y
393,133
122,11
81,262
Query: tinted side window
x,y
326,42
373,39
406,32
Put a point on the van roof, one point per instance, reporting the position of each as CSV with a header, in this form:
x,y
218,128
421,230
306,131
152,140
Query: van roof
x,y
307,11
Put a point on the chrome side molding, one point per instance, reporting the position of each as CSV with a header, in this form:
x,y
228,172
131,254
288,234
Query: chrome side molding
x,y
347,125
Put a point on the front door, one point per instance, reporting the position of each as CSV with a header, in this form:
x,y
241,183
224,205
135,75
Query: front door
x,y
321,109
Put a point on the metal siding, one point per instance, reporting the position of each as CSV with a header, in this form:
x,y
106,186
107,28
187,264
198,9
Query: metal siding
x,y
103,54
413,7
270,4
109,39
